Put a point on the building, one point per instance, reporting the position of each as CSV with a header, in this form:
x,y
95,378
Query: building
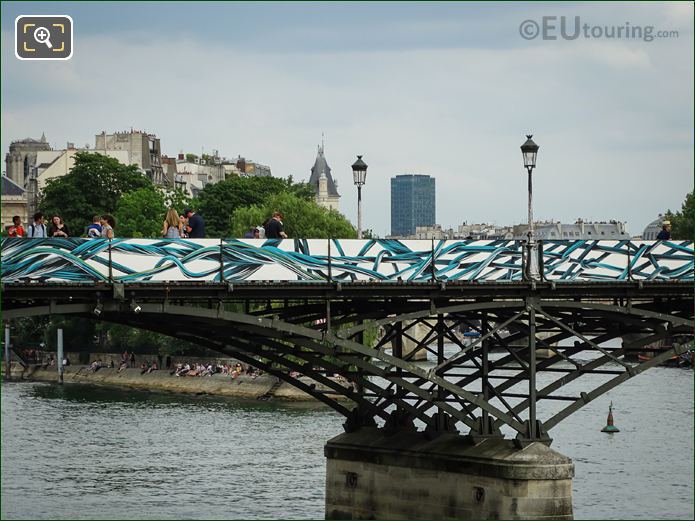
x,y
193,174
580,230
477,232
321,179
412,203
231,170
21,159
169,169
144,150
484,231
14,202
251,168
653,228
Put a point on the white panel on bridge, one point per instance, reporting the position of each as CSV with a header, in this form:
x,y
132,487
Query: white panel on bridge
x,y
585,260
381,260
55,260
275,260
652,260
176,260
493,260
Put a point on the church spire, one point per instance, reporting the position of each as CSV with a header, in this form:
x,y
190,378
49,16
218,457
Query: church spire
x,y
43,137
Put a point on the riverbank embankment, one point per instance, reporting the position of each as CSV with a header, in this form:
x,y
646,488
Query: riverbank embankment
x,y
243,386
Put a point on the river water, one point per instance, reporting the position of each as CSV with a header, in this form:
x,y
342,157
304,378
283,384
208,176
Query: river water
x,y
78,451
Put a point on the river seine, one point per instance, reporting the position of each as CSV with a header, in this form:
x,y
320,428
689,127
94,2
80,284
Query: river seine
x,y
81,451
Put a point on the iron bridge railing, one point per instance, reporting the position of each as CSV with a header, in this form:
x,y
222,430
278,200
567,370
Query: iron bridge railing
x,y
79,260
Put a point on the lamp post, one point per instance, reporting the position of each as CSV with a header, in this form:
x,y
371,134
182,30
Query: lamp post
x,y
359,176
529,151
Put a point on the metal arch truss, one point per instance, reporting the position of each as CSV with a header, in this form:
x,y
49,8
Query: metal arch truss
x,y
515,369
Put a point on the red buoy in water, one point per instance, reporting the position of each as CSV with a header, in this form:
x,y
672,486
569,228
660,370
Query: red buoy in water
x,y
609,423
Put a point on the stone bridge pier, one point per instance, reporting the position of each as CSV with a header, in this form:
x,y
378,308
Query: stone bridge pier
x,y
373,475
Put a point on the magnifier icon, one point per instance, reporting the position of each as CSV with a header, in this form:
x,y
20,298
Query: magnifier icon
x,y
43,35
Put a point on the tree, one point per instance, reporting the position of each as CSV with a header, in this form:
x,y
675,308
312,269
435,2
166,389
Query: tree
x,y
140,214
92,187
682,222
217,202
191,157
177,199
302,219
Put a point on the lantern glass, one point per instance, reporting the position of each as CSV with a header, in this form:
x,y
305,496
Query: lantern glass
x,y
529,150
359,172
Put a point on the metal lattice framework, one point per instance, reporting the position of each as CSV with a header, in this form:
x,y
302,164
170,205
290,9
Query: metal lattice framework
x,y
533,352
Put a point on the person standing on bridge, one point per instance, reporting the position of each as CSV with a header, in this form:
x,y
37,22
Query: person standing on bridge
x,y
665,233
107,225
16,230
58,227
94,229
196,224
37,230
173,227
275,228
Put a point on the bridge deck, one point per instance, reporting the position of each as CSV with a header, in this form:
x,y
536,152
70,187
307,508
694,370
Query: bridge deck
x,y
244,290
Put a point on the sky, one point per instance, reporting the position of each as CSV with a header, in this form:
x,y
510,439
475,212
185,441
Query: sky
x,y
445,89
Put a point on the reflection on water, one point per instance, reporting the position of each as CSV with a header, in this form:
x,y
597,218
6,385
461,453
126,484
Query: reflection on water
x,y
78,451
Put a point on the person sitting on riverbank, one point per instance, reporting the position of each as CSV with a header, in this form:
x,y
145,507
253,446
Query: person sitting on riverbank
x,y
183,370
144,367
96,365
124,364
153,366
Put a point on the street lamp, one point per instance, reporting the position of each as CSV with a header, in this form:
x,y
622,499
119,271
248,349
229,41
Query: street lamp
x,y
359,176
529,151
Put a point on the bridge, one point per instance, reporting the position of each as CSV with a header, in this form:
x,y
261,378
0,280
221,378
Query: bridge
x,y
483,404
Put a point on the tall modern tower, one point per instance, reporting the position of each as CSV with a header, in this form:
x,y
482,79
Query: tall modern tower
x,y
412,203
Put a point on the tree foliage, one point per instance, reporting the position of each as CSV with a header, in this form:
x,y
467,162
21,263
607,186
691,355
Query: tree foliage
x,y
217,202
92,187
177,199
682,222
302,219
140,214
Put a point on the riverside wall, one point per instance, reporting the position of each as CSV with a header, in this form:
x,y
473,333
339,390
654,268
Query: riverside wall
x,y
243,386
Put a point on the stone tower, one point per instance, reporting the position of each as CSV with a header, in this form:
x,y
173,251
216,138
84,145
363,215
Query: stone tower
x,y
330,197
21,159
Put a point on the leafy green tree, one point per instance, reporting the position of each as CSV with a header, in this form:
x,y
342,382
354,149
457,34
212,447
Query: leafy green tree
x,y
78,333
140,214
217,202
191,157
92,187
682,222
177,199
302,219
301,189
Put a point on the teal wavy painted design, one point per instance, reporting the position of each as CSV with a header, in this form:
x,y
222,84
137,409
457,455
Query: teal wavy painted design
x,y
91,261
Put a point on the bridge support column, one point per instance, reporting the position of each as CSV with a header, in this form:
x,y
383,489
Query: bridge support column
x,y
405,476
418,331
